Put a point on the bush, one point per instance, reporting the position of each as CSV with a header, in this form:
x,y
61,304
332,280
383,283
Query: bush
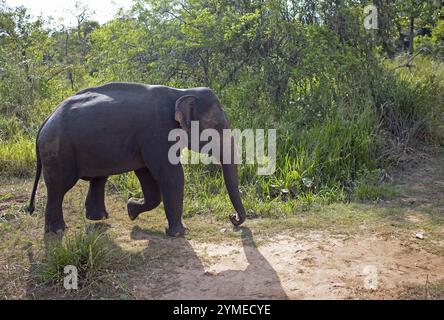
x,y
338,107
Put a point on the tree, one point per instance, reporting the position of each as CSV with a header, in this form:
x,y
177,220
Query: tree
x,y
409,12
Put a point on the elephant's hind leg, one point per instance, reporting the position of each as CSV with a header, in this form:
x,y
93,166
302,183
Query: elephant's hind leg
x,y
57,184
151,193
95,200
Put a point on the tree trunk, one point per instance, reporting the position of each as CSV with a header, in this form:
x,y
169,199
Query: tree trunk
x,y
412,35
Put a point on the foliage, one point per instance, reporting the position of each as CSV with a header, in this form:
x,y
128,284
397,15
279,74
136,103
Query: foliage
x,y
307,68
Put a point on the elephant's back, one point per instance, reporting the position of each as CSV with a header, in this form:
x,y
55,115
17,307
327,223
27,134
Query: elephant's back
x,y
94,113
117,87
112,107
119,98
128,90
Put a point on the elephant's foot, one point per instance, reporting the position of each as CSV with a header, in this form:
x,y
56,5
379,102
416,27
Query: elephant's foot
x,y
177,231
96,215
136,206
56,227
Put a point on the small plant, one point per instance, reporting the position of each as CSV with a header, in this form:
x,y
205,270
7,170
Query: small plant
x,y
88,252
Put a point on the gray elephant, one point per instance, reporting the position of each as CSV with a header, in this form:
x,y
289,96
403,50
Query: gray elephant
x,y
121,127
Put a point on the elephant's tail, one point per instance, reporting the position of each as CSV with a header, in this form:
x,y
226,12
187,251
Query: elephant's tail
x,y
38,173
36,181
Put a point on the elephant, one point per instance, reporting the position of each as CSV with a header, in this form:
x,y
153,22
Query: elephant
x,y
120,127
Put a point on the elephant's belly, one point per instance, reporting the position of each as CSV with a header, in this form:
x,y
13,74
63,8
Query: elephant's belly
x,y
105,164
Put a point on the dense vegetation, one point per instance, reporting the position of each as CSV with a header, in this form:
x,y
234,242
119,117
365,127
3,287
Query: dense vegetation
x,y
347,102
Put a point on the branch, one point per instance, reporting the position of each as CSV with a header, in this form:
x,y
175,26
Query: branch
x,y
409,64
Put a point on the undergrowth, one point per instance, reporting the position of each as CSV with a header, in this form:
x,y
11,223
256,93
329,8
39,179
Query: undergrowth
x,y
332,130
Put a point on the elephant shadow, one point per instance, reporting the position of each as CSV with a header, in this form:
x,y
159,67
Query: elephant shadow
x,y
174,270
171,268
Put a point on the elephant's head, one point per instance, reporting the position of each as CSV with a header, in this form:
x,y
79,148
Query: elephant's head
x,y
202,105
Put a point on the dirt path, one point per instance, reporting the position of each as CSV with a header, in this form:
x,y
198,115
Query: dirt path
x,y
311,266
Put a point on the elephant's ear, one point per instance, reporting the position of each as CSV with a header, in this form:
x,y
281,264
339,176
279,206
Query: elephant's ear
x,y
184,111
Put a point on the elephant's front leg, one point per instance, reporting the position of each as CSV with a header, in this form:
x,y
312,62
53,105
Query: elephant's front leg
x,y
172,186
95,200
151,193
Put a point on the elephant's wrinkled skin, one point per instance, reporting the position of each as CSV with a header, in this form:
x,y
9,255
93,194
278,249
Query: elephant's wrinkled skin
x,y
121,127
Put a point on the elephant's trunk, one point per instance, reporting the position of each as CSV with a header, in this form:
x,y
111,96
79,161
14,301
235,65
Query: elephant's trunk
x,y
231,182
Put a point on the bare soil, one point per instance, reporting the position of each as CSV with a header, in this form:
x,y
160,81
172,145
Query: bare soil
x,y
313,265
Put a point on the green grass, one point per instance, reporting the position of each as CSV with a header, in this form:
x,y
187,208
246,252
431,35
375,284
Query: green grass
x,y
89,252
17,156
337,127
370,187
371,192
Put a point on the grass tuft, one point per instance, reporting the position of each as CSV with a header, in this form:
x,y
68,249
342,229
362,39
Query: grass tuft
x,y
88,252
